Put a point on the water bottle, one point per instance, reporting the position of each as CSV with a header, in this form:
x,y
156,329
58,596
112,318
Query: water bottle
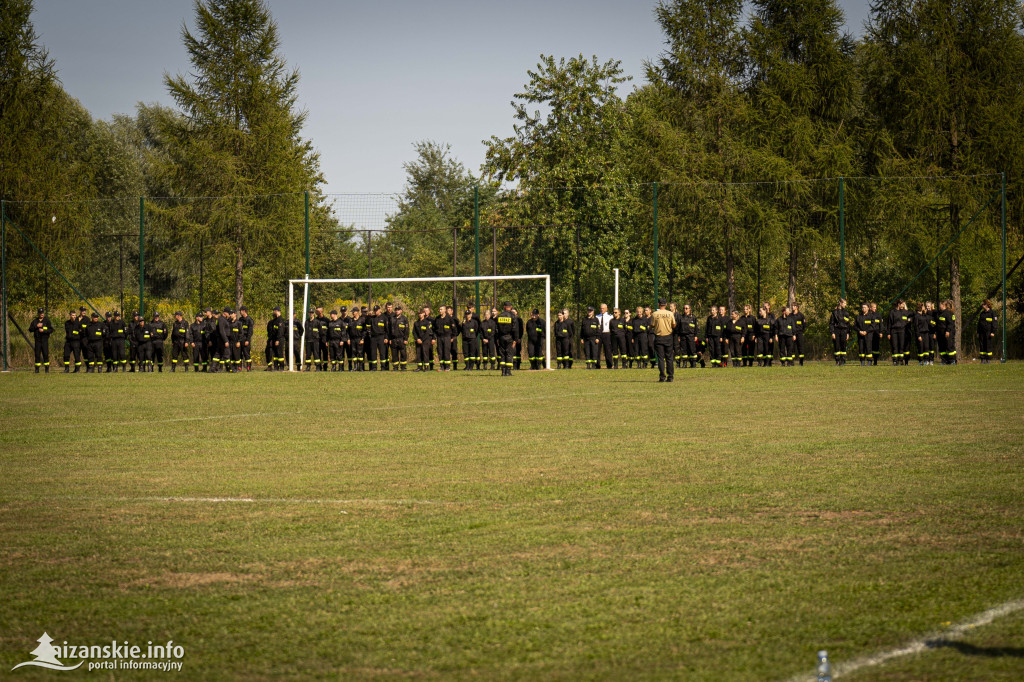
x,y
824,669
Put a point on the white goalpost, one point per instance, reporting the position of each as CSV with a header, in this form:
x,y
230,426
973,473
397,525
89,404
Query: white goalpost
x,y
397,280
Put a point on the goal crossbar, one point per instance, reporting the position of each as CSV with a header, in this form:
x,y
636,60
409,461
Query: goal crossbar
x,y
397,280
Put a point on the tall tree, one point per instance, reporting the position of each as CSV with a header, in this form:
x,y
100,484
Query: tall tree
x,y
240,137
803,88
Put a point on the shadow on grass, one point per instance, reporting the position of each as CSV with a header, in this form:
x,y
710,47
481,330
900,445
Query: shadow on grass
x,y
972,650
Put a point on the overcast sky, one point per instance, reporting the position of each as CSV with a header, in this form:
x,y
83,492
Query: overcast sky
x,y
377,76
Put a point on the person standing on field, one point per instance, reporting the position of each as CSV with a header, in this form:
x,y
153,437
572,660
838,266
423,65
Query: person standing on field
x,y
337,332
946,326
117,331
839,329
535,339
862,326
471,340
179,341
94,335
41,330
423,335
988,325
488,336
506,338
72,342
197,343
663,324
276,342
590,337
896,325
159,330
799,323
143,344
398,338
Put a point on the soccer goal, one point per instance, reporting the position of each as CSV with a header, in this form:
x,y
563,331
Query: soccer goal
x,y
305,282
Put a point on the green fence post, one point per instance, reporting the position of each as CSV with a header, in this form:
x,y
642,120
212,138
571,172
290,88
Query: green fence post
x,y
1003,221
476,242
842,238
655,207
3,276
142,256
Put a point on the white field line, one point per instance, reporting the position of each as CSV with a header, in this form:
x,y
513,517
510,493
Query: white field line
x,y
242,500
922,643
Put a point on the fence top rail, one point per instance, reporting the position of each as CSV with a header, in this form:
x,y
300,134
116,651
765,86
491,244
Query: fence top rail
x,y
391,280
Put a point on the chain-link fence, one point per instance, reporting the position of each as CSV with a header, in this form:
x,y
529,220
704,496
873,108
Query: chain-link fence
x,y
729,244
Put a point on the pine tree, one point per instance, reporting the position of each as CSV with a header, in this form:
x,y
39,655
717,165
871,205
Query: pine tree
x,y
239,136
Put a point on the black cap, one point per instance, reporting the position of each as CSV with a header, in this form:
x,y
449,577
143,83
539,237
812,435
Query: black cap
x,y
364,308
199,315
312,311
107,314
398,308
117,313
276,310
506,304
80,309
215,311
208,310
40,311
590,308
536,312
95,316
376,308
243,309
135,314
334,312
156,314
343,309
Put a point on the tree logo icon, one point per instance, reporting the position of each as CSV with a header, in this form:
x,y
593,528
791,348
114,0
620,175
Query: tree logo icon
x,y
46,656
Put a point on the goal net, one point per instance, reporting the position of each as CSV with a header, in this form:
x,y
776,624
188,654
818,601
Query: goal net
x,y
304,302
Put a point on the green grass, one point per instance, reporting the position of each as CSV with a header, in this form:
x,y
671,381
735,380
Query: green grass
x,y
567,525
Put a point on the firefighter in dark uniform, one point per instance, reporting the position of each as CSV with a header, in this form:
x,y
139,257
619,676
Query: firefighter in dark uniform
x,y
862,325
379,328
197,343
443,334
923,324
764,329
839,329
346,345
312,330
398,337
799,325
517,349
506,337
617,329
471,340
945,329
734,332
640,338
535,340
714,332
590,338
143,344
276,342
749,322
896,326
337,333
876,333
94,334
423,335
222,340
72,342
488,344
237,336
356,339
117,331
784,332
988,325
206,350
322,319
41,330
563,332
246,323
159,330
179,341
108,318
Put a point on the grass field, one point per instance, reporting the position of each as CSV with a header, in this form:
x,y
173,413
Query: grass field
x,y
555,525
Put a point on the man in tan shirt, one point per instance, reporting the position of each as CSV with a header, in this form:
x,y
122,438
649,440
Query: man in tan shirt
x,y
663,322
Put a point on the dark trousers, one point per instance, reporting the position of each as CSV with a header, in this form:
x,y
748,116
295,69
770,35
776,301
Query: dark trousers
x,y
897,338
985,346
641,347
424,355
563,350
42,349
312,355
839,344
749,349
399,355
535,351
924,347
592,351
715,350
490,350
356,350
663,349
444,351
117,353
96,351
864,346
158,352
785,349
736,349
72,348
618,349
335,353
506,348
798,347
606,342
144,353
688,349
179,351
471,351
876,344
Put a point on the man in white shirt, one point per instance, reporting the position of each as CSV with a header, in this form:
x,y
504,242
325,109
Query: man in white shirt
x,y
605,318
